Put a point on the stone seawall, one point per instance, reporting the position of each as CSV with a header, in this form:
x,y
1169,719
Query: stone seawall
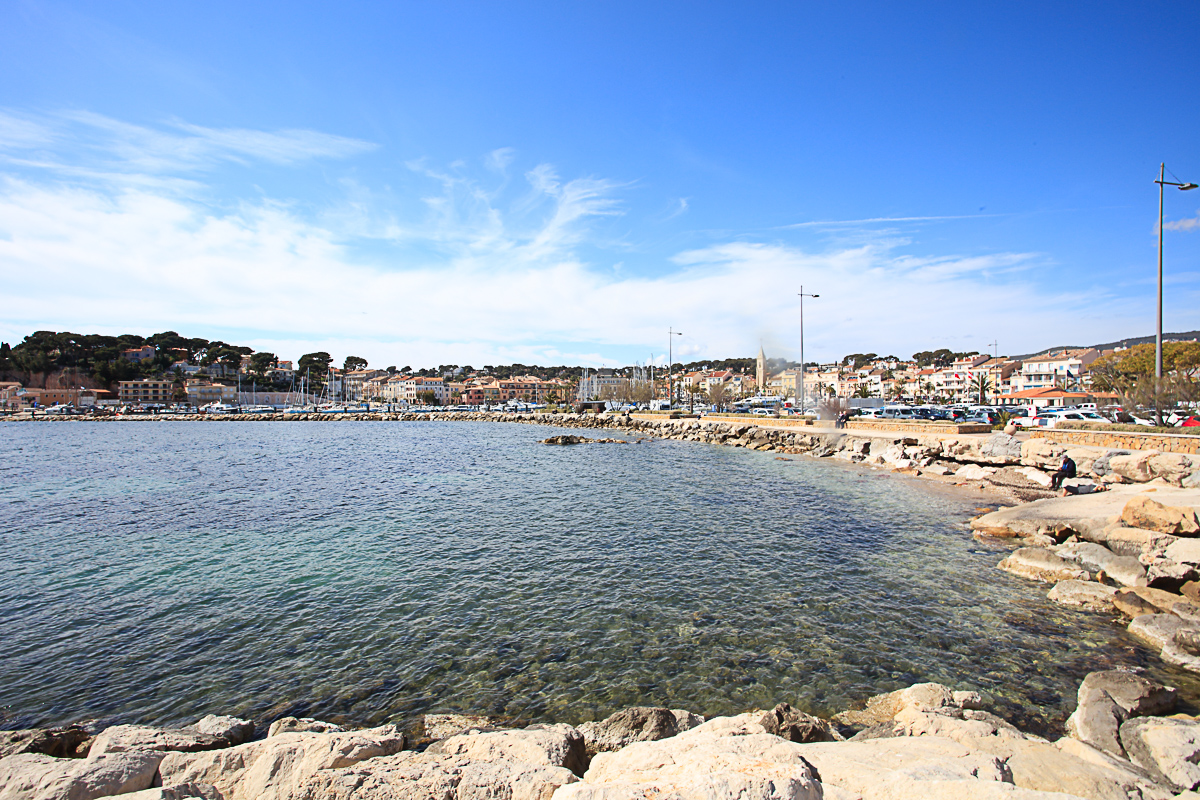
x,y
914,427
1121,440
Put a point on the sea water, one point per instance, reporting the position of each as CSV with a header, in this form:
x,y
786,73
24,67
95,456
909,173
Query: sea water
x,y
371,571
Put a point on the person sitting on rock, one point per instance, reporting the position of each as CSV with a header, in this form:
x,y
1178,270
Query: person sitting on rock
x,y
1067,470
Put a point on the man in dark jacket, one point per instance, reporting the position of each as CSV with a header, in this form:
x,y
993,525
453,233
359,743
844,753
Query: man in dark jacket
x,y
1067,470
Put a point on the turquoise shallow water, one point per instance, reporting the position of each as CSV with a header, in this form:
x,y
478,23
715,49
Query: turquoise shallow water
x,y
370,572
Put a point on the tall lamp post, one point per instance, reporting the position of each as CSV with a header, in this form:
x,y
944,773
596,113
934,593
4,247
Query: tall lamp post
x,y
671,334
1158,369
801,378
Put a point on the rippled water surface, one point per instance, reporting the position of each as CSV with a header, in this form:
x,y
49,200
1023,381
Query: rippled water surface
x,y
365,572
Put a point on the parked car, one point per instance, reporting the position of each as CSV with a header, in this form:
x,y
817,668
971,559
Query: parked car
x,y
982,418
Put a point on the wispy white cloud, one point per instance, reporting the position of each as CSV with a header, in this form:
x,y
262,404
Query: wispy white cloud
x,y
873,220
1189,224
83,142
499,159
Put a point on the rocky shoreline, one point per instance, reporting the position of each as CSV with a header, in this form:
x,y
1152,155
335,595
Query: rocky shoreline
x,y
921,743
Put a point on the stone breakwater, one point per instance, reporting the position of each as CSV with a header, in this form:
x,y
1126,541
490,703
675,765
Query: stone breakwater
x,y
925,742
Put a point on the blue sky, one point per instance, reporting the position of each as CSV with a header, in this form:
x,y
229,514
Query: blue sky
x,y
493,182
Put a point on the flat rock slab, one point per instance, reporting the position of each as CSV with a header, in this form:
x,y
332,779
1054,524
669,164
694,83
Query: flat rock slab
x,y
1039,564
1087,595
1082,513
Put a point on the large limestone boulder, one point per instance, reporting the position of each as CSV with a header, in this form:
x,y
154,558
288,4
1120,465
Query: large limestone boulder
x,y
879,715
1001,448
938,768
1171,467
1125,570
1040,564
1144,512
639,724
1157,630
527,764
1102,465
232,729
1184,551
697,765
1086,595
276,767
549,745
1183,648
1127,600
1134,542
34,776
126,738
974,472
1169,749
1134,467
1041,453
422,776
1107,699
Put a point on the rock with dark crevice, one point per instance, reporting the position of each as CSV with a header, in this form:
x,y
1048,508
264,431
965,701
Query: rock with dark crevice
x,y
796,726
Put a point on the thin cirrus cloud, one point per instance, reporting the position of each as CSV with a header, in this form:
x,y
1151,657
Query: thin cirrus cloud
x,y
111,147
463,271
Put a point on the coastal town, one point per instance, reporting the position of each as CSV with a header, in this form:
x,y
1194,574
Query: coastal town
x,y
43,372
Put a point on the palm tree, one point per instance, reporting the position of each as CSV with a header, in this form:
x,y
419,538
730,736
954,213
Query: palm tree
x,y
980,386
718,395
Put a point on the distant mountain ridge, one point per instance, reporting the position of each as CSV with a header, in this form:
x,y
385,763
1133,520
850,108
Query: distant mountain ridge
x,y
1130,342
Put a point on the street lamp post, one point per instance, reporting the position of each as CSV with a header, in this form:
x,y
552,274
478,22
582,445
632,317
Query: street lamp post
x,y
671,334
1158,361
801,378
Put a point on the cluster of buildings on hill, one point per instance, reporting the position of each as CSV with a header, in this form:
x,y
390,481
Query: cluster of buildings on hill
x,y
1056,378
1059,377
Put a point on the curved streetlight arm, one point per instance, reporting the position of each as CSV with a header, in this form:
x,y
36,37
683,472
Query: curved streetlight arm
x,y
1158,361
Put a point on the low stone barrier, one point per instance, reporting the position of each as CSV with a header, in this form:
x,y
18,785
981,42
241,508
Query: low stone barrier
x,y
914,427
1120,440
760,420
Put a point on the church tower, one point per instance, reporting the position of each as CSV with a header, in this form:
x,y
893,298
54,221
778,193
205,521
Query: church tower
x,y
760,373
